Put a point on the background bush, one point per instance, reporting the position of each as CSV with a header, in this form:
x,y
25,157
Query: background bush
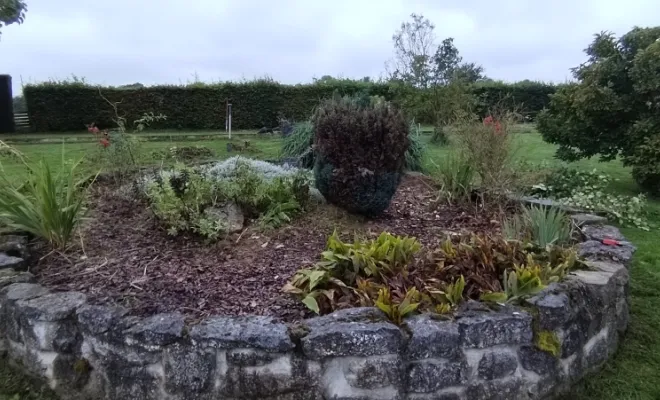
x,y
69,106
613,109
360,152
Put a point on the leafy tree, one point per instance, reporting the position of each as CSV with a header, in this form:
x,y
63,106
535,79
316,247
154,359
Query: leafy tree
x,y
12,11
613,110
432,79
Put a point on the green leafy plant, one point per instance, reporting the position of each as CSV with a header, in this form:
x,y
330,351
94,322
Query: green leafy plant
x,y
456,177
184,153
186,198
361,145
415,155
299,144
49,205
543,226
589,191
397,310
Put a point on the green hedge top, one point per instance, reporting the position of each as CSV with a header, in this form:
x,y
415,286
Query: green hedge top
x,y
71,106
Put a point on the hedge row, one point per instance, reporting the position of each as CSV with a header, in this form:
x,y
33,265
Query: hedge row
x,y
69,107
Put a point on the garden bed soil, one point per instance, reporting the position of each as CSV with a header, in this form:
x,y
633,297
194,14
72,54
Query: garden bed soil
x,y
123,256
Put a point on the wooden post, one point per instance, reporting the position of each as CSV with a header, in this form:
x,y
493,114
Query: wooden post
x,y
6,106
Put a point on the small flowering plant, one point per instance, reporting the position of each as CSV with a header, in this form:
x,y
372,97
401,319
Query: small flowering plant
x,y
101,135
492,122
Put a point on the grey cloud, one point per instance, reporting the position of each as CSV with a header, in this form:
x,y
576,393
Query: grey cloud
x,y
167,41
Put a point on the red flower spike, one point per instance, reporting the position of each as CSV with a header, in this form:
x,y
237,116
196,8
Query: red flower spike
x,y
105,142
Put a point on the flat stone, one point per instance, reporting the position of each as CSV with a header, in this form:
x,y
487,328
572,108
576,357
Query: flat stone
x,y
23,291
503,389
280,377
7,261
9,276
330,338
602,232
587,219
230,213
594,250
492,329
374,372
431,338
432,375
533,201
14,245
249,357
497,364
52,307
538,361
187,370
99,319
554,309
159,330
257,332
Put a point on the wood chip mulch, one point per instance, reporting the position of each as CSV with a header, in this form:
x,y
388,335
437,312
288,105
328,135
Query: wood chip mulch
x,y
125,257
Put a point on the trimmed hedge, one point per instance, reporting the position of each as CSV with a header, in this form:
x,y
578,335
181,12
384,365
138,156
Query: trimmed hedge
x,y
71,106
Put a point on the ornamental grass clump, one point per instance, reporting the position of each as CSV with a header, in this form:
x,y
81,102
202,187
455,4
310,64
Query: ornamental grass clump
x,y
360,152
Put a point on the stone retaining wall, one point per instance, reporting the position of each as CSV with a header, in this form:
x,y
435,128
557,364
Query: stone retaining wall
x,y
86,351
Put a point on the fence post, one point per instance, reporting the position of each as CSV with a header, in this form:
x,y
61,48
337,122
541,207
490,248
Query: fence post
x,y
6,105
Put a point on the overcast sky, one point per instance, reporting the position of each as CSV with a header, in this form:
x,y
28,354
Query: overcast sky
x,y
170,41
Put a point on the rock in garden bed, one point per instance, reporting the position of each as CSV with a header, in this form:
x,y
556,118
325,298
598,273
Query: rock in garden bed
x,y
129,259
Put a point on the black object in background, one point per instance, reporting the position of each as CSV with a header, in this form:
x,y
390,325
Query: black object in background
x,y
6,105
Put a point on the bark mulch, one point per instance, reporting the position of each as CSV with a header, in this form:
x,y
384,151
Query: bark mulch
x,y
125,257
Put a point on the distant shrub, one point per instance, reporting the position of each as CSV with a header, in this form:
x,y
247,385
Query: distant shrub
x,y
361,147
184,153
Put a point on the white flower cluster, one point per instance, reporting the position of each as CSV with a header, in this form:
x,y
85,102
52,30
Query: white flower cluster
x,y
227,168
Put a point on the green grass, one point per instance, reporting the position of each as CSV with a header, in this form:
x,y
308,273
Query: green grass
x,y
633,374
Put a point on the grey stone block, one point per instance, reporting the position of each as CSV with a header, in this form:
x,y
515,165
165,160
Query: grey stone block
x,y
52,307
283,375
429,376
504,389
554,309
328,338
188,370
158,330
594,250
601,232
249,357
596,351
263,333
7,261
99,319
22,291
14,245
538,361
9,276
374,372
573,339
497,364
491,329
431,338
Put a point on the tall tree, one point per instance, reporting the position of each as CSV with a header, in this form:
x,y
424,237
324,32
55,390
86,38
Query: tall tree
x,y
414,45
12,12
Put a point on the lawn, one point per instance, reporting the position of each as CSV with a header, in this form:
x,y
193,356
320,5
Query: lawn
x,y
633,374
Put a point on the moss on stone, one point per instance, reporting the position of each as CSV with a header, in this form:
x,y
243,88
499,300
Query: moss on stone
x,y
548,342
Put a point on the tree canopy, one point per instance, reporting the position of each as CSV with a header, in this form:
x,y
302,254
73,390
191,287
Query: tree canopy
x,y
12,12
613,110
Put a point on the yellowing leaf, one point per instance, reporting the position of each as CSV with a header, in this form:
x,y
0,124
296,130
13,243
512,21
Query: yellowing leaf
x,y
311,303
